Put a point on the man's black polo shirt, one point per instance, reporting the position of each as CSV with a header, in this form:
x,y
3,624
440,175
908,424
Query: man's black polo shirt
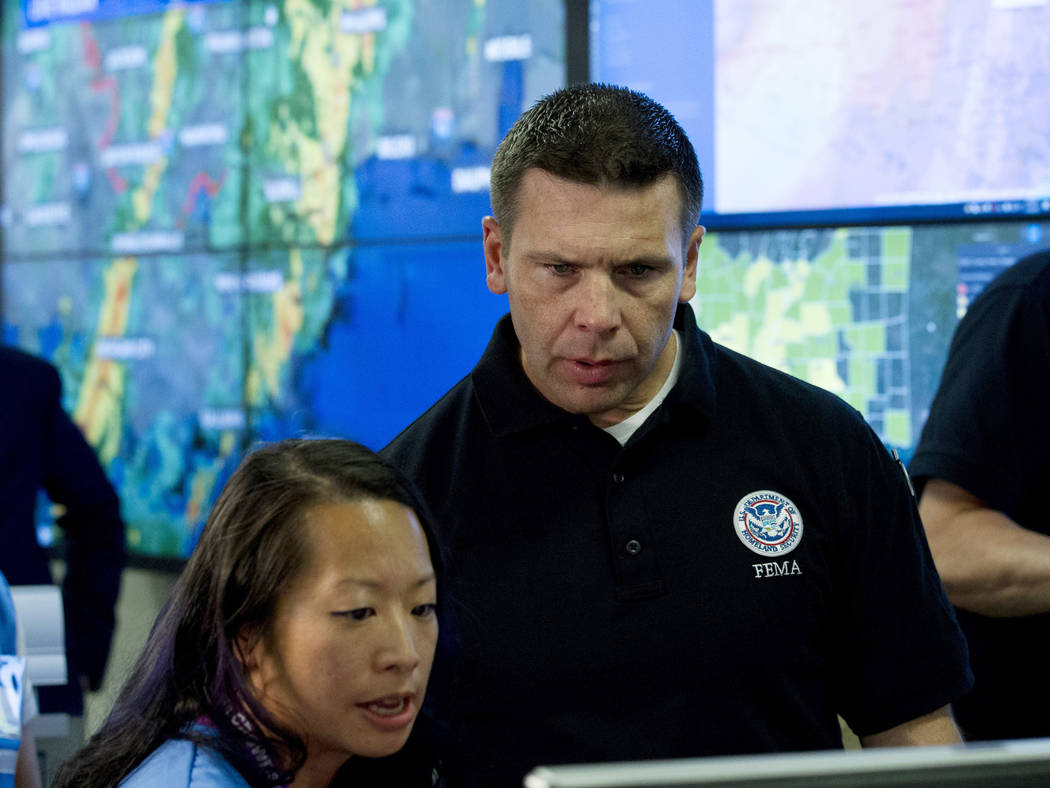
x,y
610,608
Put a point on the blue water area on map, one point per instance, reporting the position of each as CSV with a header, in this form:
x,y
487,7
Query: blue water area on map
x,y
411,320
413,198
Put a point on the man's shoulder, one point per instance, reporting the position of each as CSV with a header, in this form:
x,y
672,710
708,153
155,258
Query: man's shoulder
x,y
1024,285
1031,270
742,378
37,391
438,424
38,380
18,362
179,762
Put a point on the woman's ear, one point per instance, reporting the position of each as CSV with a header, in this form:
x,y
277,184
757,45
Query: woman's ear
x,y
247,645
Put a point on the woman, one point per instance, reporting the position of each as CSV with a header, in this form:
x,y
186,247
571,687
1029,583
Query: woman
x,y
23,769
300,633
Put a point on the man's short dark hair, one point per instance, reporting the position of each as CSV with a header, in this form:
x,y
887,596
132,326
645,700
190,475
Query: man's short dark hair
x,y
600,135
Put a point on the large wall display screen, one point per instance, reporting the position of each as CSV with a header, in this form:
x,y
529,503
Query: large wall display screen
x,y
866,312
228,222
845,113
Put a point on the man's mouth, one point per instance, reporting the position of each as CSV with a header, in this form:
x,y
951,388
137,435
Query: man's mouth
x,y
589,372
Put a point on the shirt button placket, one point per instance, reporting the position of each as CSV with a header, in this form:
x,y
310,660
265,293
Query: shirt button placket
x,y
632,546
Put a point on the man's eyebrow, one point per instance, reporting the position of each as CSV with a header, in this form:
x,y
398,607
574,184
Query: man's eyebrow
x,y
649,259
653,260
546,257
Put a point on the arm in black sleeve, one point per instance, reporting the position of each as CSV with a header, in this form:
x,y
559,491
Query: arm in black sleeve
x,y
74,478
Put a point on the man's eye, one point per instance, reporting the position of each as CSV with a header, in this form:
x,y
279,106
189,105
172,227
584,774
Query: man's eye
x,y
638,270
561,269
425,611
357,614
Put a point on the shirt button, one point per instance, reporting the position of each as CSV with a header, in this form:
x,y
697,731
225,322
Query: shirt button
x,y
618,478
633,547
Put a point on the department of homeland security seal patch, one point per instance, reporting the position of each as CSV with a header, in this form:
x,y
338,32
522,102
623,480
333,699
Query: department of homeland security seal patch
x,y
768,523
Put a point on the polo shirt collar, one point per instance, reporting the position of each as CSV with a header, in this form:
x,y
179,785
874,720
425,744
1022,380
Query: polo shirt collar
x,y
695,389
510,403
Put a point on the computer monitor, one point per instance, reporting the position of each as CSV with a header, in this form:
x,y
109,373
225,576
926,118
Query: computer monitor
x,y
1005,763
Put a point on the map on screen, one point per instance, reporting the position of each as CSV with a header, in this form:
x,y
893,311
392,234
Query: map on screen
x,y
856,104
846,113
228,222
866,312
216,125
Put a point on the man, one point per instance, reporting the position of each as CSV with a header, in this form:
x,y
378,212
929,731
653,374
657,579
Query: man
x,y
983,466
42,449
661,548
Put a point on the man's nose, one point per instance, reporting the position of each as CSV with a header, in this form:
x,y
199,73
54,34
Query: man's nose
x,y
598,307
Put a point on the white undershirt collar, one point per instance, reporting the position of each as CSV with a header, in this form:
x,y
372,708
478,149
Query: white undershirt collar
x,y
626,428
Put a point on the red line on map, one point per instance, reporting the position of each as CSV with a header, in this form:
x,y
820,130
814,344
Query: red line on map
x,y
100,84
201,182
92,56
118,183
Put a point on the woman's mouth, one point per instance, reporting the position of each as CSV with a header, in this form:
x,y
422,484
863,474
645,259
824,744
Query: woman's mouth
x,y
390,713
389,707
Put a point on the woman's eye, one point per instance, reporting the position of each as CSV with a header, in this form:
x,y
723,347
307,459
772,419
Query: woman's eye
x,y
424,611
357,614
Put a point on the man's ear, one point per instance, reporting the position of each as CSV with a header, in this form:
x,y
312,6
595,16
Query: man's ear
x,y
692,264
492,240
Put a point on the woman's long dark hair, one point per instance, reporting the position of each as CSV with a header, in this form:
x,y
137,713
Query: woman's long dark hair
x,y
249,550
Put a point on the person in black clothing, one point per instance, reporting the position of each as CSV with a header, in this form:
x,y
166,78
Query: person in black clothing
x,y
982,468
42,449
661,548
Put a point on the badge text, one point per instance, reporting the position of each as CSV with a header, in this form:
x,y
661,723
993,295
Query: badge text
x,y
777,568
